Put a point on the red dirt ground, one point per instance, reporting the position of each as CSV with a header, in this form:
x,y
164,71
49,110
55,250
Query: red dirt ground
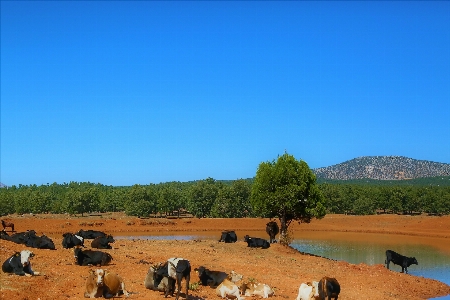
x,y
281,267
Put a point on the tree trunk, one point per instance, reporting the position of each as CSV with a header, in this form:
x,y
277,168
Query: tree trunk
x,y
283,230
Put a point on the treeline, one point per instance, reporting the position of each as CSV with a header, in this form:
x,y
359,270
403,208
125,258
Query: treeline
x,y
212,198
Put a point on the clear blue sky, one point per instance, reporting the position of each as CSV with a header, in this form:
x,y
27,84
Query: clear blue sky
x,y
124,93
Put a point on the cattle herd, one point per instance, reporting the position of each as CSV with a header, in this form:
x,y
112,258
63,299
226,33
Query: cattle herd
x,y
164,276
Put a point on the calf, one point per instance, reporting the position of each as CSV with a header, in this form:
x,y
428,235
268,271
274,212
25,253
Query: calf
x,y
6,224
174,269
308,291
400,260
272,230
228,236
19,264
102,242
228,287
259,289
328,288
211,278
71,240
90,257
149,281
90,234
256,242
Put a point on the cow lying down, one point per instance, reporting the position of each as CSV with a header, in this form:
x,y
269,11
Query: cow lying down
x,y
308,291
211,278
149,281
104,283
91,257
19,264
256,289
228,288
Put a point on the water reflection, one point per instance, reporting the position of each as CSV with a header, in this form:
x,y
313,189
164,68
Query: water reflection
x,y
432,263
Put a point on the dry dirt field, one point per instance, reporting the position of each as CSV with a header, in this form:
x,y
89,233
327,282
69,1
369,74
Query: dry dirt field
x,y
283,268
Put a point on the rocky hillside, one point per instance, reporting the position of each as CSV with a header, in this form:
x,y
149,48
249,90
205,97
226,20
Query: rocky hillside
x,y
383,168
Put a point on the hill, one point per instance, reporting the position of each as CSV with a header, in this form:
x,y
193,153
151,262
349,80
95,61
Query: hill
x,y
383,168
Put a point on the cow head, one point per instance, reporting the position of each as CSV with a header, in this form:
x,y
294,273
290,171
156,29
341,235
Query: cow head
x,y
110,239
200,270
99,274
413,260
25,256
315,285
246,238
235,277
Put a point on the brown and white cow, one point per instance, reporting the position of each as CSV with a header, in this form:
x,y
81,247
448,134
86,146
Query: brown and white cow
x,y
258,289
228,287
106,283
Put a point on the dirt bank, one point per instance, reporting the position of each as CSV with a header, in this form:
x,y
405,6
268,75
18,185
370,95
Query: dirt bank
x,y
281,267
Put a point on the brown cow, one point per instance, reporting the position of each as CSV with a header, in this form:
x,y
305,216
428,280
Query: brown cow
x,y
328,288
6,224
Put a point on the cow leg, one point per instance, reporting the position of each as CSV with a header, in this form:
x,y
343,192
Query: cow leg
x,y
171,282
187,278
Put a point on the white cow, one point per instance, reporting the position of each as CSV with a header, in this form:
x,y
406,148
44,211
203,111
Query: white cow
x,y
308,291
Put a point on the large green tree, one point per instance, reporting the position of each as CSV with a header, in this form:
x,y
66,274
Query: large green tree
x,y
286,189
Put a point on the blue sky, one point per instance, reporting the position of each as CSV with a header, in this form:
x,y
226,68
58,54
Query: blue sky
x,y
124,93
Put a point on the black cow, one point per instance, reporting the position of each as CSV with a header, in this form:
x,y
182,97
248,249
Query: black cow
x,y
90,234
22,237
102,242
71,240
256,242
211,278
174,269
19,263
328,288
400,260
40,242
91,257
4,235
228,236
272,230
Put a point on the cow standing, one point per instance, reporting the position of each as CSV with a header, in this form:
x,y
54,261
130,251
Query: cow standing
x,y
400,260
272,230
175,269
328,288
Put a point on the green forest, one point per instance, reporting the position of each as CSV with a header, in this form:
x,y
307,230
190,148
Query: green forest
x,y
223,199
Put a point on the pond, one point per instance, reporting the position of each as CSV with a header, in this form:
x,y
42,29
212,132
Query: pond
x,y
354,248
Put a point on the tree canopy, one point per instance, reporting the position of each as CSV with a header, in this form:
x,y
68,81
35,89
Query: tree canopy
x,y
286,189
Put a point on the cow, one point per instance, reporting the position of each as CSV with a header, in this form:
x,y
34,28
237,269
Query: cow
x,y
71,240
102,242
272,230
41,242
22,237
328,288
228,236
175,269
210,278
19,264
93,290
149,281
258,289
107,283
400,260
308,291
4,235
90,234
256,242
228,287
90,257
6,224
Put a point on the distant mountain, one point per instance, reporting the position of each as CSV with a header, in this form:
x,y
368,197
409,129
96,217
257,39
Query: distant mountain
x,y
383,168
2,185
